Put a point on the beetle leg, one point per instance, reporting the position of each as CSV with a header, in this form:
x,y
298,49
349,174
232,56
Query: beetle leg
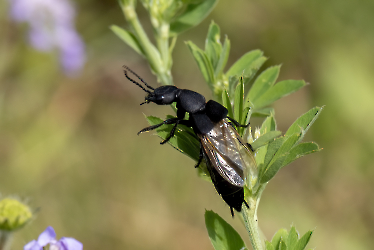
x,y
246,204
237,124
200,157
171,133
232,212
168,121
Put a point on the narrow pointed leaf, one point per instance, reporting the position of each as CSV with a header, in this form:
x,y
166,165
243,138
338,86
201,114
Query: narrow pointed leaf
x,y
173,41
275,241
223,57
203,62
213,46
227,103
300,150
273,168
233,82
263,112
265,139
305,121
282,245
273,147
221,234
278,91
128,38
192,16
251,72
238,101
279,157
268,125
287,144
247,63
269,246
262,84
292,238
301,244
265,154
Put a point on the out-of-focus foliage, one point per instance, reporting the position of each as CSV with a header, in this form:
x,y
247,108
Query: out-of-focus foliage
x,y
70,145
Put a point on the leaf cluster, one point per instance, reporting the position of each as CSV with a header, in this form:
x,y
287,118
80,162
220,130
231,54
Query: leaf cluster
x,y
283,240
169,18
273,151
224,237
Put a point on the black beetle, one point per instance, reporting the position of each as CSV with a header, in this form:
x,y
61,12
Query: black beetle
x,y
228,158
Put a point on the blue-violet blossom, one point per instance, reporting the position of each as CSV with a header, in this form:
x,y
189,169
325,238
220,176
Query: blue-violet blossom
x,y
49,237
51,25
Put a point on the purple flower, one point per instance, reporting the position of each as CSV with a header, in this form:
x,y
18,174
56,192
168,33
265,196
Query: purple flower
x,y
51,25
49,237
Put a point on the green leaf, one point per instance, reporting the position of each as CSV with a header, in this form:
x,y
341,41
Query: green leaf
x,y
223,57
265,139
227,103
282,245
128,37
269,246
277,162
238,103
263,112
268,125
273,168
183,140
278,91
278,236
273,148
301,244
213,46
203,62
301,150
221,234
305,121
247,64
192,16
262,84
292,238
287,144
173,41
233,82
269,151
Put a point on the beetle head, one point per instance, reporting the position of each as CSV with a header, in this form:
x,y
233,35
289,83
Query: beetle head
x,y
163,95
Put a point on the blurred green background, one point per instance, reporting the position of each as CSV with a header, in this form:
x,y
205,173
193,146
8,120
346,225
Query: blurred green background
x,y
69,147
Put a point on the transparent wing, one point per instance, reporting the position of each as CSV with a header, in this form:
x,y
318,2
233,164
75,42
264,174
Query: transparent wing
x,y
229,154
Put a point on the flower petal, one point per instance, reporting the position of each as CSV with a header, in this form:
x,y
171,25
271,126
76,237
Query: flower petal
x,y
32,245
71,243
47,236
72,51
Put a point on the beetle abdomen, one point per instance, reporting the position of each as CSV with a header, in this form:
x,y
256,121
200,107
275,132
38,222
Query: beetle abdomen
x,y
231,194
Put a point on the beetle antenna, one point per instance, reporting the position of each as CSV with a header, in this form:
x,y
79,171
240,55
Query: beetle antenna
x,y
132,80
146,84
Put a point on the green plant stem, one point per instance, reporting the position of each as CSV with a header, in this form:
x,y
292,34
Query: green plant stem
x,y
251,221
163,47
5,238
158,65
163,42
